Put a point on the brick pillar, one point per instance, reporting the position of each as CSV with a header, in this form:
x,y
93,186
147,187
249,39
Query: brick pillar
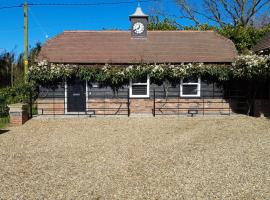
x,y
18,114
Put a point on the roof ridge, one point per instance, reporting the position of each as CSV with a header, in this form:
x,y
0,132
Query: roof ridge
x,y
68,31
152,31
181,31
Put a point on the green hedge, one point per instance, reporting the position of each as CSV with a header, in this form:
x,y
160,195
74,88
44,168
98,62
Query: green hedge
x,y
3,108
21,93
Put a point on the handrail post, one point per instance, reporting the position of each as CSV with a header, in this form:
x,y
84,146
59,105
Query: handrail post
x,y
154,109
230,102
202,96
86,94
104,103
179,100
203,105
31,104
53,101
128,104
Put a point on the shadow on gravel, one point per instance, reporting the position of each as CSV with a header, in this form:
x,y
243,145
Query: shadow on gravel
x,y
3,131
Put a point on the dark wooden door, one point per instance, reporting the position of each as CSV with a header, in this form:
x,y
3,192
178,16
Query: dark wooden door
x,y
76,96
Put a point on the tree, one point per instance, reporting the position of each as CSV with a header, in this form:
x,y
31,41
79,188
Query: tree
x,y
12,70
6,61
165,24
262,21
34,53
244,38
224,12
19,70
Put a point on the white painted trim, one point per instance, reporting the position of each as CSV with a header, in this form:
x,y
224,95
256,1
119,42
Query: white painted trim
x,y
86,95
140,96
191,95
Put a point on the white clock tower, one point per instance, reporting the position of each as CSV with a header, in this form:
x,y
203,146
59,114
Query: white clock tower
x,y
139,22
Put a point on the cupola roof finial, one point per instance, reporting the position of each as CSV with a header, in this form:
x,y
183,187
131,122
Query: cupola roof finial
x,y
138,12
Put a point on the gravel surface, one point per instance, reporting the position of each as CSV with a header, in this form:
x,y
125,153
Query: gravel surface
x,y
137,158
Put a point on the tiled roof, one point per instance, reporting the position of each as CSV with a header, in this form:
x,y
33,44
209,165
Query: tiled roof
x,y
263,44
118,47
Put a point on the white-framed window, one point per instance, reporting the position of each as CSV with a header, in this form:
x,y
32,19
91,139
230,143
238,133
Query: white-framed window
x,y
190,87
140,88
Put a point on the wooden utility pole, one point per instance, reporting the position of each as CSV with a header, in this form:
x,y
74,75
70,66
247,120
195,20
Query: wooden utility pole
x,y
25,39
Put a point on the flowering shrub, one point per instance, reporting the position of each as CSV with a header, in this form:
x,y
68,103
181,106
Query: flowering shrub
x,y
245,66
251,66
45,72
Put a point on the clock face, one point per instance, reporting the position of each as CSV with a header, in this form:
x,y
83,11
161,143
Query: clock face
x,y
138,28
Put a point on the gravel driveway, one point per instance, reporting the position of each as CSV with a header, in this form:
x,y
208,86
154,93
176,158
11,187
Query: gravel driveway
x,y
137,158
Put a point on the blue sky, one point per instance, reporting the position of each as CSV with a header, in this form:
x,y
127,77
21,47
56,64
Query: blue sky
x,y
50,21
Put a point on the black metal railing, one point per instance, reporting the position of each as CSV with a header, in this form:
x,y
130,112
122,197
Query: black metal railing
x,y
208,103
105,102
97,103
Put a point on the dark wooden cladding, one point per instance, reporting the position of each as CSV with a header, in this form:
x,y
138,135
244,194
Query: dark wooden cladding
x,y
208,90
107,92
57,92
118,47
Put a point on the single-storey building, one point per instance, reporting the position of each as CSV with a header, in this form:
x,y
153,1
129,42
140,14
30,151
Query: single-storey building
x,y
192,95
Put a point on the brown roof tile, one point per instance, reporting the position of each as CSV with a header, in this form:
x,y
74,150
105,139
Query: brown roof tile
x,y
118,47
263,44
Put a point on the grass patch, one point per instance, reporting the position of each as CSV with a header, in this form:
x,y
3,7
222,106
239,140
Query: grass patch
x,y
3,121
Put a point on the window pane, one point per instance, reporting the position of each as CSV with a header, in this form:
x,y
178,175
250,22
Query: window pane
x,y
139,89
191,79
140,80
190,89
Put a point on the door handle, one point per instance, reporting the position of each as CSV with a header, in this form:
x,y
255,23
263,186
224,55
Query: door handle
x,y
76,94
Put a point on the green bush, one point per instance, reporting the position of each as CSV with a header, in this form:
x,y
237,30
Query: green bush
x,y
18,94
3,108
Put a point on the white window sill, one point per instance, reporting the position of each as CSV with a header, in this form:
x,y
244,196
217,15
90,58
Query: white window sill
x,y
139,96
190,95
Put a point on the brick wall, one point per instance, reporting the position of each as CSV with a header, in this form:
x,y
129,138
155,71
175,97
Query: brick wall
x,y
143,106
204,106
108,106
50,107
